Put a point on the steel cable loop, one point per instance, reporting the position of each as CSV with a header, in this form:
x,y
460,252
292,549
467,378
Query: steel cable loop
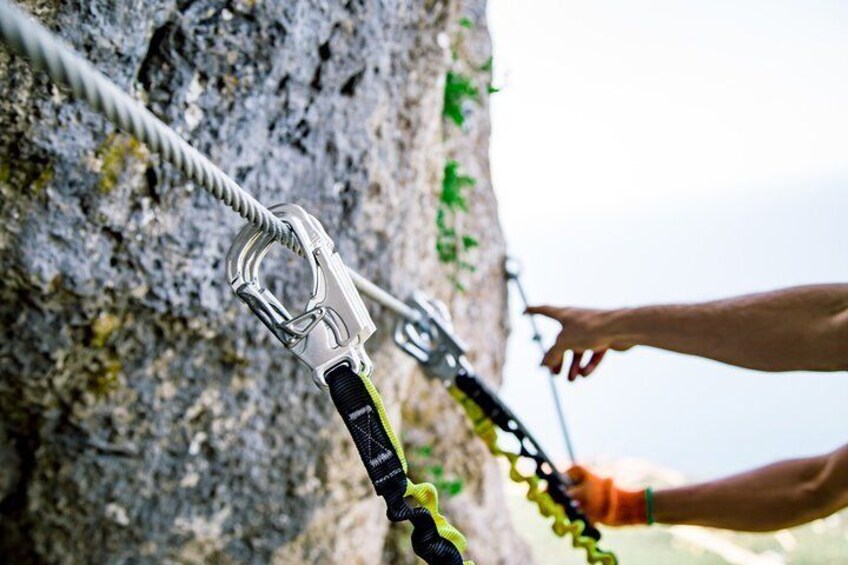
x,y
47,53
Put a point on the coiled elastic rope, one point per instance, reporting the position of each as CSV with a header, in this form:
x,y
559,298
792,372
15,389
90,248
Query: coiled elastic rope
x,y
582,535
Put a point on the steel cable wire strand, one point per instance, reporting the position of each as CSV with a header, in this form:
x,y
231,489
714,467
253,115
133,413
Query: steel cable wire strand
x,y
562,526
47,53
513,274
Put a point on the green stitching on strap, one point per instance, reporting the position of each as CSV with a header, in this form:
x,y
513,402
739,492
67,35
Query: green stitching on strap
x,y
424,493
384,419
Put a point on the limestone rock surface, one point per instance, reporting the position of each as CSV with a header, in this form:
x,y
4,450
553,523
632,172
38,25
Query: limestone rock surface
x,y
145,414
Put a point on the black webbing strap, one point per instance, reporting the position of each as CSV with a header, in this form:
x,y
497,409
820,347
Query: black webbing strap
x,y
498,413
360,415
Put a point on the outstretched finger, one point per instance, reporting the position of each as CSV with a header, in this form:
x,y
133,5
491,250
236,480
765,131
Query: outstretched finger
x,y
597,357
555,356
574,370
544,310
577,474
553,359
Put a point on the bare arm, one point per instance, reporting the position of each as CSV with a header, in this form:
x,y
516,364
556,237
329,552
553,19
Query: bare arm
x,y
777,496
802,328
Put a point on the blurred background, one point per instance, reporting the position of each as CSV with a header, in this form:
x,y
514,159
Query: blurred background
x,y
662,151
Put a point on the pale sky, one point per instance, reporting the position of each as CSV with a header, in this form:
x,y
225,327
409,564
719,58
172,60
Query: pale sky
x,y
673,151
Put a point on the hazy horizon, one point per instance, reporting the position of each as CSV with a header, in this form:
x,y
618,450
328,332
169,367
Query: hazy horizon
x,y
663,153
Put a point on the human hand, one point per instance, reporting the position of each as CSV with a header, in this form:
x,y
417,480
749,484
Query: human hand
x,y
601,501
583,330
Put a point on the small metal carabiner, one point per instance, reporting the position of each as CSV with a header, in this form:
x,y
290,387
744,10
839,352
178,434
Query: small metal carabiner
x,y
431,340
335,324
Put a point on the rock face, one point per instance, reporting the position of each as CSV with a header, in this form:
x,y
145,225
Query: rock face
x,y
145,414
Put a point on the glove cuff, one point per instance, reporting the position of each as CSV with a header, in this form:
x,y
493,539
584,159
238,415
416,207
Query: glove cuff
x,y
629,508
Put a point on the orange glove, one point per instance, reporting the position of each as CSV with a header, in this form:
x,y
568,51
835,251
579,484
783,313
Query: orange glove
x,y
602,502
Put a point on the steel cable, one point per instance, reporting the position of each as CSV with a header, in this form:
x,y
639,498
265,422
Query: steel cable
x,y
49,54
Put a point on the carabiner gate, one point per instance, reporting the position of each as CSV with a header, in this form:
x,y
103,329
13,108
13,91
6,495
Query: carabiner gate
x,y
431,340
333,327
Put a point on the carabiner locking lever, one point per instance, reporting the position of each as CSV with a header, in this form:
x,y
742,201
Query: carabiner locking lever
x,y
333,327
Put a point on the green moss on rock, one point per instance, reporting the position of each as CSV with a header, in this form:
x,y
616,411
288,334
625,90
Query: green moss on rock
x,y
115,155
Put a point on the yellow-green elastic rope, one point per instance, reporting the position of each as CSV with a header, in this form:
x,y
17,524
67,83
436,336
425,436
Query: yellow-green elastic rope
x,y
562,526
423,493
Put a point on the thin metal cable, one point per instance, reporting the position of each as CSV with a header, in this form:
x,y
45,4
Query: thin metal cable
x,y
65,67
379,295
47,53
512,274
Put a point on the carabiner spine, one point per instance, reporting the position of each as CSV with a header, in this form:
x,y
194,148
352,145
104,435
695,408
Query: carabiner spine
x,y
334,325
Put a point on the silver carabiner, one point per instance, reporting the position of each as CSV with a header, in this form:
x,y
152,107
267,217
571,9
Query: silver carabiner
x,y
335,324
431,340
